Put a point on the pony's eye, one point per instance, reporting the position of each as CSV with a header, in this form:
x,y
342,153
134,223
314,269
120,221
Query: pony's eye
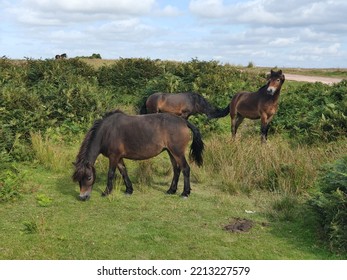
x,y
89,178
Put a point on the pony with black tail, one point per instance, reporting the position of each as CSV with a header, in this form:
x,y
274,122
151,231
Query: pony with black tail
x,y
262,104
119,136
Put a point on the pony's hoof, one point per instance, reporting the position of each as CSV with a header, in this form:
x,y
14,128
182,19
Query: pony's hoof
x,y
104,194
128,193
170,192
184,196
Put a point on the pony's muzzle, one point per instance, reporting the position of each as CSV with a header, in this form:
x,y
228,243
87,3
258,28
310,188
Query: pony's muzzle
x,y
271,90
84,197
85,192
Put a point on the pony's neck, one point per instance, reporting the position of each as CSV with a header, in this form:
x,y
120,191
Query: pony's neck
x,y
90,149
202,105
93,153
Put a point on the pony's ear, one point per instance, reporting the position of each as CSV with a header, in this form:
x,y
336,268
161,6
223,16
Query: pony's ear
x,y
272,71
280,72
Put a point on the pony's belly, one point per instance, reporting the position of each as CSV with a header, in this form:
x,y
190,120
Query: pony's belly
x,y
142,154
249,114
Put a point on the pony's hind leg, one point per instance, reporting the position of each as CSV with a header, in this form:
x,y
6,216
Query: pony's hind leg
x,y
265,121
184,166
176,175
186,173
237,120
128,185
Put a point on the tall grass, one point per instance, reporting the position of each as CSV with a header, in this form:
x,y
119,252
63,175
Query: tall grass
x,y
243,165
235,166
52,154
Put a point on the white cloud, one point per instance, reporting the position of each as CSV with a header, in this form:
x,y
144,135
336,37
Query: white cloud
x,y
129,30
170,11
270,12
208,8
62,12
331,49
92,6
267,32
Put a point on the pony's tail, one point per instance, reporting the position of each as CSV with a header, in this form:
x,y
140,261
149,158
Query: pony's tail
x,y
197,146
220,113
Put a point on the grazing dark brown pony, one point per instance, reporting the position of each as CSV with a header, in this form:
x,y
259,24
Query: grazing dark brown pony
x,y
182,104
262,105
118,136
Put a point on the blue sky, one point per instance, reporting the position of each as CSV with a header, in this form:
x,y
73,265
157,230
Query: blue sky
x,y
286,33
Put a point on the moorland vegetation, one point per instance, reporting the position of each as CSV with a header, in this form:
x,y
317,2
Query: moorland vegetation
x,y
300,176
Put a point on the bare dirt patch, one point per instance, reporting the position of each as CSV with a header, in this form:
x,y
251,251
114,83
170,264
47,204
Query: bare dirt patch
x,y
312,79
239,225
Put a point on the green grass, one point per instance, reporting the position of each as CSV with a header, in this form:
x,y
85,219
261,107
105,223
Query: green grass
x,y
148,225
49,222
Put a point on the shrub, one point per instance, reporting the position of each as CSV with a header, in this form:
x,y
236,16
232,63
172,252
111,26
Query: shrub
x,y
312,113
129,74
331,204
40,95
10,183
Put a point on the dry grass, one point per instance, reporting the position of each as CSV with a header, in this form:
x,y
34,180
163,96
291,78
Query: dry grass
x,y
236,166
244,164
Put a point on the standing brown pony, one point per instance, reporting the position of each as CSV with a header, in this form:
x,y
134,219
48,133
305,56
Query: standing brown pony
x,y
119,136
262,105
183,104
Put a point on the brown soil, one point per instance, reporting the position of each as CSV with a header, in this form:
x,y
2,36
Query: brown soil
x,y
312,79
239,225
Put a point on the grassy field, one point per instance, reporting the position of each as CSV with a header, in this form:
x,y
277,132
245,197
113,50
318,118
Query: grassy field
x,y
47,107
49,222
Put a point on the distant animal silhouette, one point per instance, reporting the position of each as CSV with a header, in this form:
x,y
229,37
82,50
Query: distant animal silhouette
x,y
61,56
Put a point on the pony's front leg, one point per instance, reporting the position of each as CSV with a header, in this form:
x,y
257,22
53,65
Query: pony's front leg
x,y
264,129
265,121
110,178
128,185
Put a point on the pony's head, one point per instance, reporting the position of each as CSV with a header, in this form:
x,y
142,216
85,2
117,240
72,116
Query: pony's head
x,y
85,175
275,81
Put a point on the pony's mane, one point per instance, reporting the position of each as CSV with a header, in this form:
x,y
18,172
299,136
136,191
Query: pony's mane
x,y
81,159
200,101
264,87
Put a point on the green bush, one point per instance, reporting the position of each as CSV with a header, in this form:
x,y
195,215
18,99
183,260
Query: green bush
x,y
40,95
312,113
331,204
131,74
65,96
10,183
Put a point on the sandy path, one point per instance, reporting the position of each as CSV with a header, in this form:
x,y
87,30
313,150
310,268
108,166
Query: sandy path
x,y
312,79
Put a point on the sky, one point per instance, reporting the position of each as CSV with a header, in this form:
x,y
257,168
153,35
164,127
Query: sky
x,y
285,33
